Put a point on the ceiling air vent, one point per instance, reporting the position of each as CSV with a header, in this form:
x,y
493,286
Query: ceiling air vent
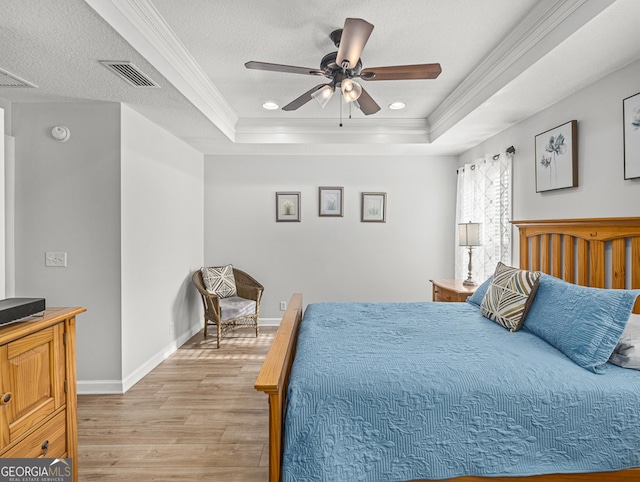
x,y
130,73
7,79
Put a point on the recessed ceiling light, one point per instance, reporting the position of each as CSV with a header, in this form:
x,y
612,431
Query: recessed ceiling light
x,y
397,106
270,105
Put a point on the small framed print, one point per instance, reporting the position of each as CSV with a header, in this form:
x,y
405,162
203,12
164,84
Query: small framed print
x,y
374,207
330,201
631,130
557,157
287,207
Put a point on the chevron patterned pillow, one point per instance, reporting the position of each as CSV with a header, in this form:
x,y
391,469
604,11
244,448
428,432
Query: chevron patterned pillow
x,y
220,281
509,296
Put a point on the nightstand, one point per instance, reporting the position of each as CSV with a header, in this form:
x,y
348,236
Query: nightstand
x,y
451,290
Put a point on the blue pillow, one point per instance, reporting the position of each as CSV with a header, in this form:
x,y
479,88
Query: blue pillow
x,y
583,323
478,294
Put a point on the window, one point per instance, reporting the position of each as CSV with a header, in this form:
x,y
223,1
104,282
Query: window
x,y
484,196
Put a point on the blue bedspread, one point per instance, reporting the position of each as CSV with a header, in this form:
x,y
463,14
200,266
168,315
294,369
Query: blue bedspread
x,y
400,391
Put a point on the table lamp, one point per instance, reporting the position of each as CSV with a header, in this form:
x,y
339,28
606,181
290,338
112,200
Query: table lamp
x,y
469,236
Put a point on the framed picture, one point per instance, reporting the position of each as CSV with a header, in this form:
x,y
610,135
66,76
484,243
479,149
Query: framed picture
x,y
557,157
288,206
330,201
631,130
374,207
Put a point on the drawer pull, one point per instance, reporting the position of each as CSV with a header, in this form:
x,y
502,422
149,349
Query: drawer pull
x,y
6,398
45,448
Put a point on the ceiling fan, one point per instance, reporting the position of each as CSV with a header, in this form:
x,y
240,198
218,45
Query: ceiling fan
x,y
343,66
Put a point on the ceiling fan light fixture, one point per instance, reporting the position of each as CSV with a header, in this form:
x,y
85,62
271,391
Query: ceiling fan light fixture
x,y
397,105
350,90
270,105
344,65
322,96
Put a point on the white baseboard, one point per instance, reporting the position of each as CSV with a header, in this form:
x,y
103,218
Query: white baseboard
x,y
110,387
270,321
158,358
99,387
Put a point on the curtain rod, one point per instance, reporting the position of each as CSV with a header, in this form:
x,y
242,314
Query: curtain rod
x,y
510,152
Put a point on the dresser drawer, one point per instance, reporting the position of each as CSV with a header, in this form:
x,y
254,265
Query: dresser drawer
x,y
32,381
442,295
52,435
450,291
448,296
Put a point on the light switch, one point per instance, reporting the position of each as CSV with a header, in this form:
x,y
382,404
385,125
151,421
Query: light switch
x,y
55,259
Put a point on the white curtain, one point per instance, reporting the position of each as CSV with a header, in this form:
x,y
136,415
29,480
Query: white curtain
x,y
484,196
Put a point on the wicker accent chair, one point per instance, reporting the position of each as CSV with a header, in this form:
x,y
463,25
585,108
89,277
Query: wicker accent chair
x,y
220,311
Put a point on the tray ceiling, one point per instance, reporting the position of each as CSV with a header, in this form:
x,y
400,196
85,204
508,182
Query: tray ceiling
x,y
502,61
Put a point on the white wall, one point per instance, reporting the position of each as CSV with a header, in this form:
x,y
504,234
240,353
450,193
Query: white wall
x,y
602,190
9,215
6,106
4,148
162,243
332,258
7,272
124,199
67,198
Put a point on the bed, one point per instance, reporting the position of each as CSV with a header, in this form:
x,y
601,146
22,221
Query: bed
x,y
461,425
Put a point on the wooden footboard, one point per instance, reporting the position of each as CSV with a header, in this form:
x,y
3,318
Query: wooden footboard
x,y
274,378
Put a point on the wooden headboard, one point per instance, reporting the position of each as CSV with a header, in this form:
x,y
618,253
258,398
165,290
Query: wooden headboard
x,y
596,252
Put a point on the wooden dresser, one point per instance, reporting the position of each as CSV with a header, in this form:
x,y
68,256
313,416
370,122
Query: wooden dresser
x,y
451,290
38,387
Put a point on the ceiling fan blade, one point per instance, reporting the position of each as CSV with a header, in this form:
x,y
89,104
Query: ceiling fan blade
x,y
354,37
291,69
303,99
402,72
367,105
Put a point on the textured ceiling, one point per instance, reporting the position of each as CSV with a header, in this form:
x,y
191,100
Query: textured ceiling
x,y
222,36
502,60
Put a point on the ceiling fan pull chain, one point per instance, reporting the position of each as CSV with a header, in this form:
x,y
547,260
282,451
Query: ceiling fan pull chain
x,y
340,109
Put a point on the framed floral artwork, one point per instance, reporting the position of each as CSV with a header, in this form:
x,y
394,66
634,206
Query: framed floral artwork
x,y
631,131
374,207
288,206
330,200
556,152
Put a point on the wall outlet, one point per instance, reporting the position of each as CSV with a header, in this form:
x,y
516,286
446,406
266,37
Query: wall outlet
x,y
56,259
283,306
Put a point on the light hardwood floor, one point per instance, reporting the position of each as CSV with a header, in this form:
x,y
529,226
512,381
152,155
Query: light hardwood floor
x,y
194,417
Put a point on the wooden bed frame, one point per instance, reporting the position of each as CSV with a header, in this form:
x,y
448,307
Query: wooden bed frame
x,y
575,250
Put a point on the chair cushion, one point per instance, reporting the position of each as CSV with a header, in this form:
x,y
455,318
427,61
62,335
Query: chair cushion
x,y
236,307
219,280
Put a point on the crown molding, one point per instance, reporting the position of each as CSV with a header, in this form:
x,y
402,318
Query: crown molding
x,y
142,26
353,131
549,23
421,151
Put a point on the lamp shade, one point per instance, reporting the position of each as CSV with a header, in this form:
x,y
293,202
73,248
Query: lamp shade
x,y
350,90
469,234
322,96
